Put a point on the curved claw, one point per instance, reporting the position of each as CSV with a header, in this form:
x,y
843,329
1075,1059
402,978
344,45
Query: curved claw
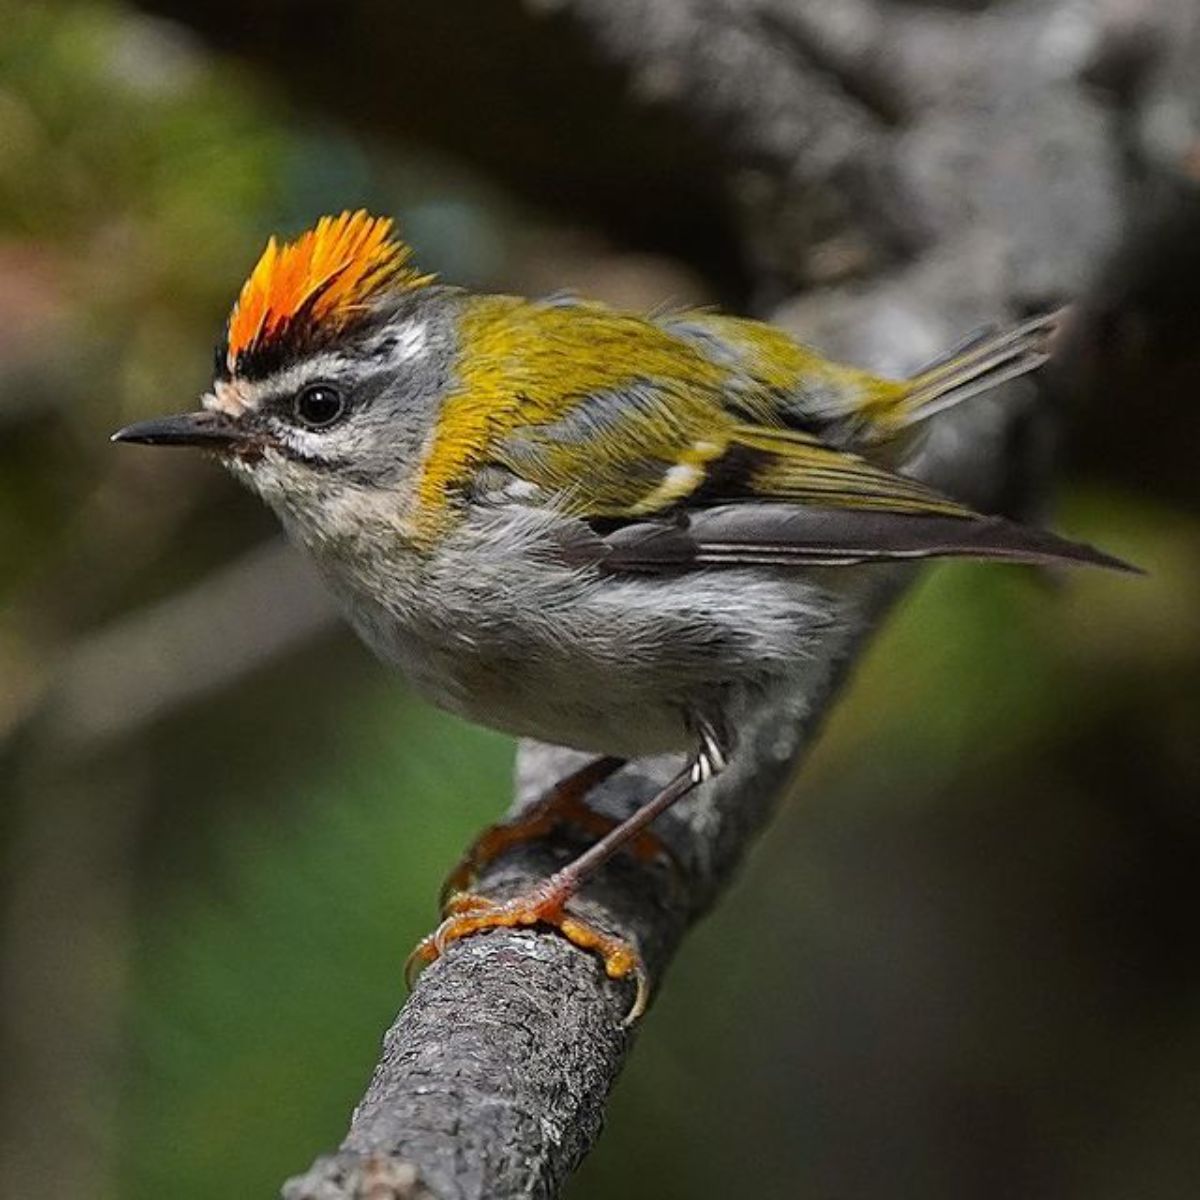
x,y
621,960
419,957
641,999
467,914
433,945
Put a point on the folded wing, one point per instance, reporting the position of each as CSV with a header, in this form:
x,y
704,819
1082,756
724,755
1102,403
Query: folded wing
x,y
664,472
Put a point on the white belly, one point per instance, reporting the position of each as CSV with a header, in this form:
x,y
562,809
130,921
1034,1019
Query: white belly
x,y
612,667
492,628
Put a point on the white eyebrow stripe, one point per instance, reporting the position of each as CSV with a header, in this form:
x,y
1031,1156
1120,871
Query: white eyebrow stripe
x,y
237,396
400,343
410,340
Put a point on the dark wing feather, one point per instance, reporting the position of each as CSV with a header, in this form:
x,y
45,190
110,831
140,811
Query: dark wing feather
x,y
783,535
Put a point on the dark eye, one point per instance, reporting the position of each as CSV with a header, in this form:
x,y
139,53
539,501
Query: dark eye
x,y
319,405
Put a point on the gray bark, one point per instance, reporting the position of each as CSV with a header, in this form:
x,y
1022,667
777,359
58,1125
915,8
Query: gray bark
x,y
904,174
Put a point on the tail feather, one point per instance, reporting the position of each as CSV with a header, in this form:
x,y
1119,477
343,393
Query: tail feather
x,y
983,363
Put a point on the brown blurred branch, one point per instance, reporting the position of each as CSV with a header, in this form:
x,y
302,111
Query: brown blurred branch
x,y
153,663
197,642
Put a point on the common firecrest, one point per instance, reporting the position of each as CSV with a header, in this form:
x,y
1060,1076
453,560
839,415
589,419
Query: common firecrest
x,y
591,527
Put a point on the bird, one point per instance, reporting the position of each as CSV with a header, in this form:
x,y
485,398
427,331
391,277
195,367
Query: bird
x,y
613,531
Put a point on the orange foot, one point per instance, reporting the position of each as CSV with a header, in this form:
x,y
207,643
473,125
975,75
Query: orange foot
x,y
466,914
564,804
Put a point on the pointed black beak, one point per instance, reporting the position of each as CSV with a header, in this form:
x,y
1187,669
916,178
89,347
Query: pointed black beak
x,y
210,430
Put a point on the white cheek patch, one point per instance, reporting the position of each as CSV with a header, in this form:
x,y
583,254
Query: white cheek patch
x,y
303,441
347,442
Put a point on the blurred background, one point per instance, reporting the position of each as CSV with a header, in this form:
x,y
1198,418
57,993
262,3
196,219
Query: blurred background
x,y
962,962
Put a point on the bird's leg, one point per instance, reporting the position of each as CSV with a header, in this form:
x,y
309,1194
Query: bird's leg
x,y
545,904
563,804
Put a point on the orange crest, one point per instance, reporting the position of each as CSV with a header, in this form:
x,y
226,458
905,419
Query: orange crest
x,y
319,284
